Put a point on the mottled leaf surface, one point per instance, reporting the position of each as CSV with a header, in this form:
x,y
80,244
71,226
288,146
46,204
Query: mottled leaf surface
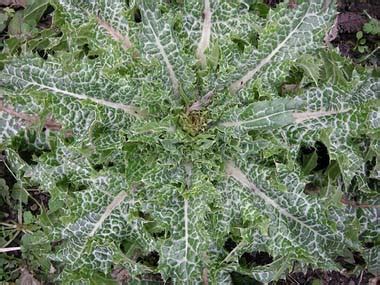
x,y
160,133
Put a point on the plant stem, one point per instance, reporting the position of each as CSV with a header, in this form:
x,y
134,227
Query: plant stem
x,y
8,249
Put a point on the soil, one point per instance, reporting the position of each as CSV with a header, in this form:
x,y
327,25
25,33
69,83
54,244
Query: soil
x,y
350,20
326,278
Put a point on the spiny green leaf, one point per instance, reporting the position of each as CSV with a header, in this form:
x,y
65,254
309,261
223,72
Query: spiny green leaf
x,y
161,132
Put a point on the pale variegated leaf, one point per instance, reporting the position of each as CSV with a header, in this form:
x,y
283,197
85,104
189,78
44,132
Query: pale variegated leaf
x,y
158,130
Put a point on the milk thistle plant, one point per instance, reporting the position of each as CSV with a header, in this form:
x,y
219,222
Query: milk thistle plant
x,y
171,127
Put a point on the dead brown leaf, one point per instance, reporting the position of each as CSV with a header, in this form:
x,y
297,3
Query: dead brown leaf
x,y
374,281
333,33
13,3
27,278
121,275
